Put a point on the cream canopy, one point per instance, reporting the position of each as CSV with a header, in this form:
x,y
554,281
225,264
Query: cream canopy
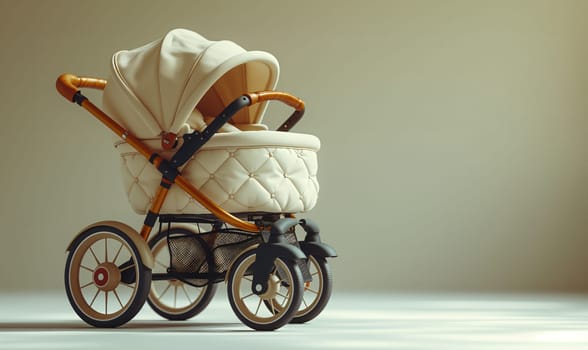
x,y
155,88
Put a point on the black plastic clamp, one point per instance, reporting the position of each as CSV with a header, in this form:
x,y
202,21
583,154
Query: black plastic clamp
x,y
168,171
79,98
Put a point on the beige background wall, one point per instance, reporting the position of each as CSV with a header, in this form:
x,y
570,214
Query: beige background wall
x,y
455,133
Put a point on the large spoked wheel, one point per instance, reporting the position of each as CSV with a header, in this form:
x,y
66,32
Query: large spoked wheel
x,y
316,292
284,288
174,299
105,279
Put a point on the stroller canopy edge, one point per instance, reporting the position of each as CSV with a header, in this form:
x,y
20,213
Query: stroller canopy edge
x,y
155,88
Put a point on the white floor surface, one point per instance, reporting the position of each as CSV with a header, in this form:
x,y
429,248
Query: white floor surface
x,y
351,321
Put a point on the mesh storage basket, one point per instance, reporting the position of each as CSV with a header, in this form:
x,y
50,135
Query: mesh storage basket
x,y
207,256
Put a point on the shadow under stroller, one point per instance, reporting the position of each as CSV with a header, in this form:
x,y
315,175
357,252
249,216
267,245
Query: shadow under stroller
x,y
223,190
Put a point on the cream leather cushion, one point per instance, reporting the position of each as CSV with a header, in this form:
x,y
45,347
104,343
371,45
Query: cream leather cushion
x,y
242,171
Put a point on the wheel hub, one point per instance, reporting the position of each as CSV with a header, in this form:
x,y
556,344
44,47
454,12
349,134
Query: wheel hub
x,y
106,276
273,286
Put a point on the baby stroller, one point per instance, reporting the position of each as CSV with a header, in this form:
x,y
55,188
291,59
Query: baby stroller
x,y
222,190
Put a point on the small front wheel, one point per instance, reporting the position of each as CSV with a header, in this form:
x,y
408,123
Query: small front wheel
x,y
105,279
284,289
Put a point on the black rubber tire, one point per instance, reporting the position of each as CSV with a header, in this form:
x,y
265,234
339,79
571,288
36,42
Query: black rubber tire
x,y
144,280
203,302
296,295
325,295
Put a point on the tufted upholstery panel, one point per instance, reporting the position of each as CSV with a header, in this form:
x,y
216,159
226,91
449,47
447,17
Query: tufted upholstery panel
x,y
250,171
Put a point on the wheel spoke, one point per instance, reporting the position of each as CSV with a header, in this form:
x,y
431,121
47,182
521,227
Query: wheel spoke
x,y
186,292
127,267
175,296
273,307
286,297
86,268
282,280
117,253
106,303
94,255
258,305
87,284
247,296
304,302
106,249
118,298
165,290
248,279
312,291
314,274
94,298
126,285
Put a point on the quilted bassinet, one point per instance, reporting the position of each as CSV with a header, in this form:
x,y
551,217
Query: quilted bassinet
x,y
178,84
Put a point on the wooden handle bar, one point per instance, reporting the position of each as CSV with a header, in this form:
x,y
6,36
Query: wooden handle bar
x,y
68,85
292,101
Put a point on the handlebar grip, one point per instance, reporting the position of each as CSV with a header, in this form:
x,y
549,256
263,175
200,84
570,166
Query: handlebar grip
x,y
292,101
68,85
284,97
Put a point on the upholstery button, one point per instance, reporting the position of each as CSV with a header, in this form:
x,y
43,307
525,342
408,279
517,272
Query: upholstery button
x,y
273,195
270,154
285,175
231,154
231,196
251,175
212,176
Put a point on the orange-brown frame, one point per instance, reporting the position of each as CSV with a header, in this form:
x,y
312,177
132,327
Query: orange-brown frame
x,y
68,86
